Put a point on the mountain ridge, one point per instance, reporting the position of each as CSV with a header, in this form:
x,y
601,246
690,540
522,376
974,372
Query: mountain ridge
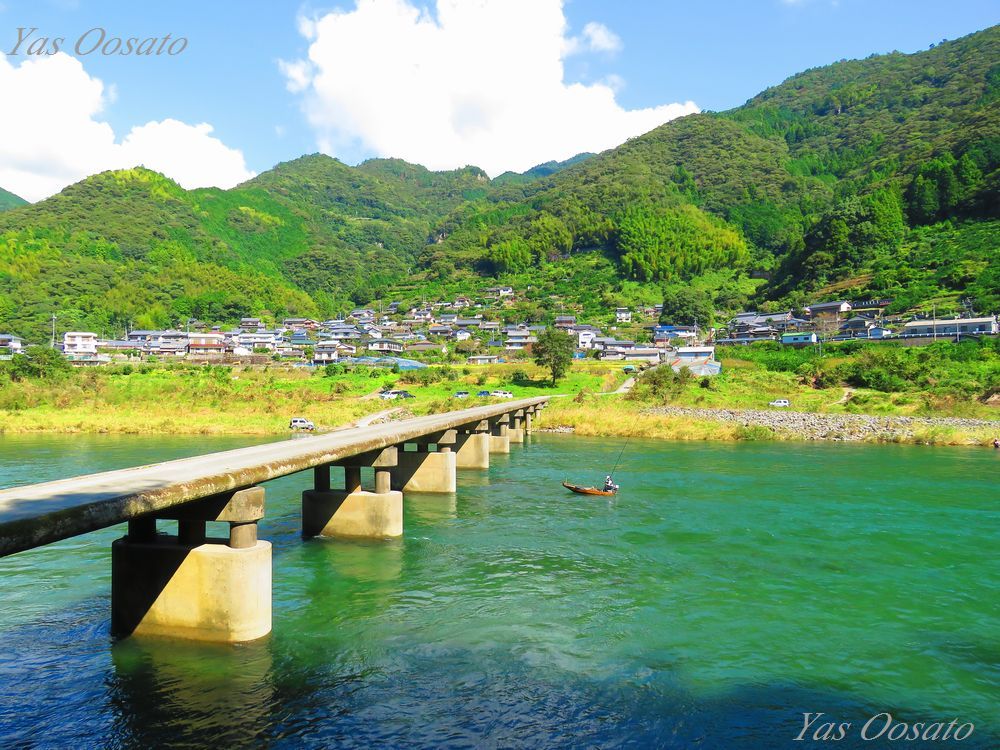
x,y
882,171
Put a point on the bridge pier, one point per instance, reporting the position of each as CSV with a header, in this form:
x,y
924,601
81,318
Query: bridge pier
x,y
424,471
515,433
354,512
189,586
472,446
499,437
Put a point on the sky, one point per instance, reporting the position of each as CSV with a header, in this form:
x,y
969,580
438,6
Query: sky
x,y
502,84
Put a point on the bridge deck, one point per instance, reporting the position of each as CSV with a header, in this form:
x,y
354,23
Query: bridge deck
x,y
37,514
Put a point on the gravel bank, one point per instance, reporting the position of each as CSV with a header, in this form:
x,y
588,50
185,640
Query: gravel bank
x,y
806,426
809,426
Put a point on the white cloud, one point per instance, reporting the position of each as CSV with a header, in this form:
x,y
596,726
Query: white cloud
x,y
599,38
473,82
51,134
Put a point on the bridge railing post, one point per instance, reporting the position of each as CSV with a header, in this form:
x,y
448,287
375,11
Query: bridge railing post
x,y
190,586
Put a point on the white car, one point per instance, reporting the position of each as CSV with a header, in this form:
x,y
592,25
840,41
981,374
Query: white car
x,y
781,403
388,395
501,394
301,423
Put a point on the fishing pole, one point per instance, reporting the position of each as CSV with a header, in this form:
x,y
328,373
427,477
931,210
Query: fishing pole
x,y
620,454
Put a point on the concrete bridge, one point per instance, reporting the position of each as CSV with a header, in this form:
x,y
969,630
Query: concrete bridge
x,y
188,585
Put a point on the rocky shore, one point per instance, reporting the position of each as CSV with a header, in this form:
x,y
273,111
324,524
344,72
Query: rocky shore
x,y
806,426
843,427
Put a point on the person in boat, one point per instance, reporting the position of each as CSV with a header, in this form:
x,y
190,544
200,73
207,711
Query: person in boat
x,y
609,484
996,443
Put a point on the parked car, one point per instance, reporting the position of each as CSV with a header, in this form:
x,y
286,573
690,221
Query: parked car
x,y
301,423
460,394
501,394
780,402
483,394
404,394
388,395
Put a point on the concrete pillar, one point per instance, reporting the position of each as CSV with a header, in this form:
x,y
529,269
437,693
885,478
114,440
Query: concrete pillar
x,y
187,586
425,472
515,433
353,512
499,438
527,420
472,450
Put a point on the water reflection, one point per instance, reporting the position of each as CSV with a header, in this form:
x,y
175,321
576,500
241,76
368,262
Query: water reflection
x,y
166,688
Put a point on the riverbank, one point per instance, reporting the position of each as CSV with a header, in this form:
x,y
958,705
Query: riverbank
x,y
609,417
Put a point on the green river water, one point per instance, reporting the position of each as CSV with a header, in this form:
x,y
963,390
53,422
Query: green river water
x,y
726,591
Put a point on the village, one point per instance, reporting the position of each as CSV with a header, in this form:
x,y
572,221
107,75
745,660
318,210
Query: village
x,y
476,331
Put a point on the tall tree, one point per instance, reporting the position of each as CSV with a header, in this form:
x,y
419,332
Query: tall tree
x,y
554,350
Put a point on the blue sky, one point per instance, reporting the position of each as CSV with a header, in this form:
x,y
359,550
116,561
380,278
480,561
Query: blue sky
x,y
715,54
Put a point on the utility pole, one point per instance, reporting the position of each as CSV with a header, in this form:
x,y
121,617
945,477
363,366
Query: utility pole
x,y
934,320
52,344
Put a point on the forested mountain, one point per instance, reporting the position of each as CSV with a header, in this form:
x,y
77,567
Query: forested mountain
x,y
822,178
875,177
9,200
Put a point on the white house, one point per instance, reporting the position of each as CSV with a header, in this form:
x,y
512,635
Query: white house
x,y
623,315
585,336
386,346
256,340
79,344
326,352
10,344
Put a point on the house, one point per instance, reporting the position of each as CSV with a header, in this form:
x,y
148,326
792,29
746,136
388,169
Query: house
x,y
623,315
206,344
489,325
565,321
585,336
386,346
145,339
439,330
461,335
10,344
468,322
484,359
699,360
828,310
79,344
251,324
343,333
171,344
326,352
665,335
301,323
519,338
954,327
253,341
799,338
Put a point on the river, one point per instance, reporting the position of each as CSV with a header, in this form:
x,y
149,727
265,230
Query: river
x,y
726,591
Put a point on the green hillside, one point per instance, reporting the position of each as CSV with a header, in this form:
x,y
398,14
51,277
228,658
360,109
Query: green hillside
x,y
9,200
824,177
874,177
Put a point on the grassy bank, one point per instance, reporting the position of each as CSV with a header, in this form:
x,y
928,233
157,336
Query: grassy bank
x,y
615,416
179,399
186,399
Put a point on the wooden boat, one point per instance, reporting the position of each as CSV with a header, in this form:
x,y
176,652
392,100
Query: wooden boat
x,y
586,490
